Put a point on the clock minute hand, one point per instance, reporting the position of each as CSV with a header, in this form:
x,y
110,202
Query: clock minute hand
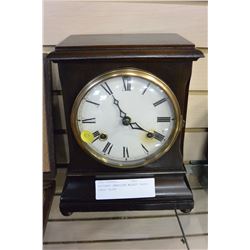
x,y
122,114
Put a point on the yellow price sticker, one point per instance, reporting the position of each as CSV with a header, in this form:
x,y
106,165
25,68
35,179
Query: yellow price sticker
x,y
87,136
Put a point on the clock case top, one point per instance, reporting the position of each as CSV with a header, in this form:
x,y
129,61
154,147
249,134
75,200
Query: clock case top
x,y
81,58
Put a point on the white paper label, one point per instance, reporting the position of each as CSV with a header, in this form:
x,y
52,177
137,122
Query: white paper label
x,y
124,188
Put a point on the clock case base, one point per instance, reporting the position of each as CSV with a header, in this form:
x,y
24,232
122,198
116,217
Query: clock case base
x,y
172,192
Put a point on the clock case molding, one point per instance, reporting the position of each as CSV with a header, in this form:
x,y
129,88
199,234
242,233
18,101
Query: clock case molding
x,y
80,59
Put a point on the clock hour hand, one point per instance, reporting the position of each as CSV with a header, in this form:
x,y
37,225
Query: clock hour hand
x,y
135,125
122,114
126,120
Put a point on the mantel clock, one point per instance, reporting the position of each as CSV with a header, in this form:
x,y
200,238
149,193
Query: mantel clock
x,y
125,100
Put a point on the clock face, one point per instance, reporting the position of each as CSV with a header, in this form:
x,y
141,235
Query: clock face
x,y
126,118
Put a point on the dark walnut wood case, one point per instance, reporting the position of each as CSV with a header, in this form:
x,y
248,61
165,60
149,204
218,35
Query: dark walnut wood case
x,y
81,58
49,168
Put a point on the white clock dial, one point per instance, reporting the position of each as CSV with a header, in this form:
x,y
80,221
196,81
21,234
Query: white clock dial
x,y
126,119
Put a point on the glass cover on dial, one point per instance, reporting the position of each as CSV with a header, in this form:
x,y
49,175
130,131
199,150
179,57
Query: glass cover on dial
x,y
126,118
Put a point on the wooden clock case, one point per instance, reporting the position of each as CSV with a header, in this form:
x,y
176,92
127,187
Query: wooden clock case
x,y
49,164
81,58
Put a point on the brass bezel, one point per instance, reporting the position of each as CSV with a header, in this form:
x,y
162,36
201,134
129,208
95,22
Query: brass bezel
x,y
127,72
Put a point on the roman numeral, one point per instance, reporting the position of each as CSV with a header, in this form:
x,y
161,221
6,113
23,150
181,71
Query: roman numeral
x,y
126,83
145,149
97,104
89,120
96,135
159,102
163,119
107,88
158,136
125,152
107,148
144,91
